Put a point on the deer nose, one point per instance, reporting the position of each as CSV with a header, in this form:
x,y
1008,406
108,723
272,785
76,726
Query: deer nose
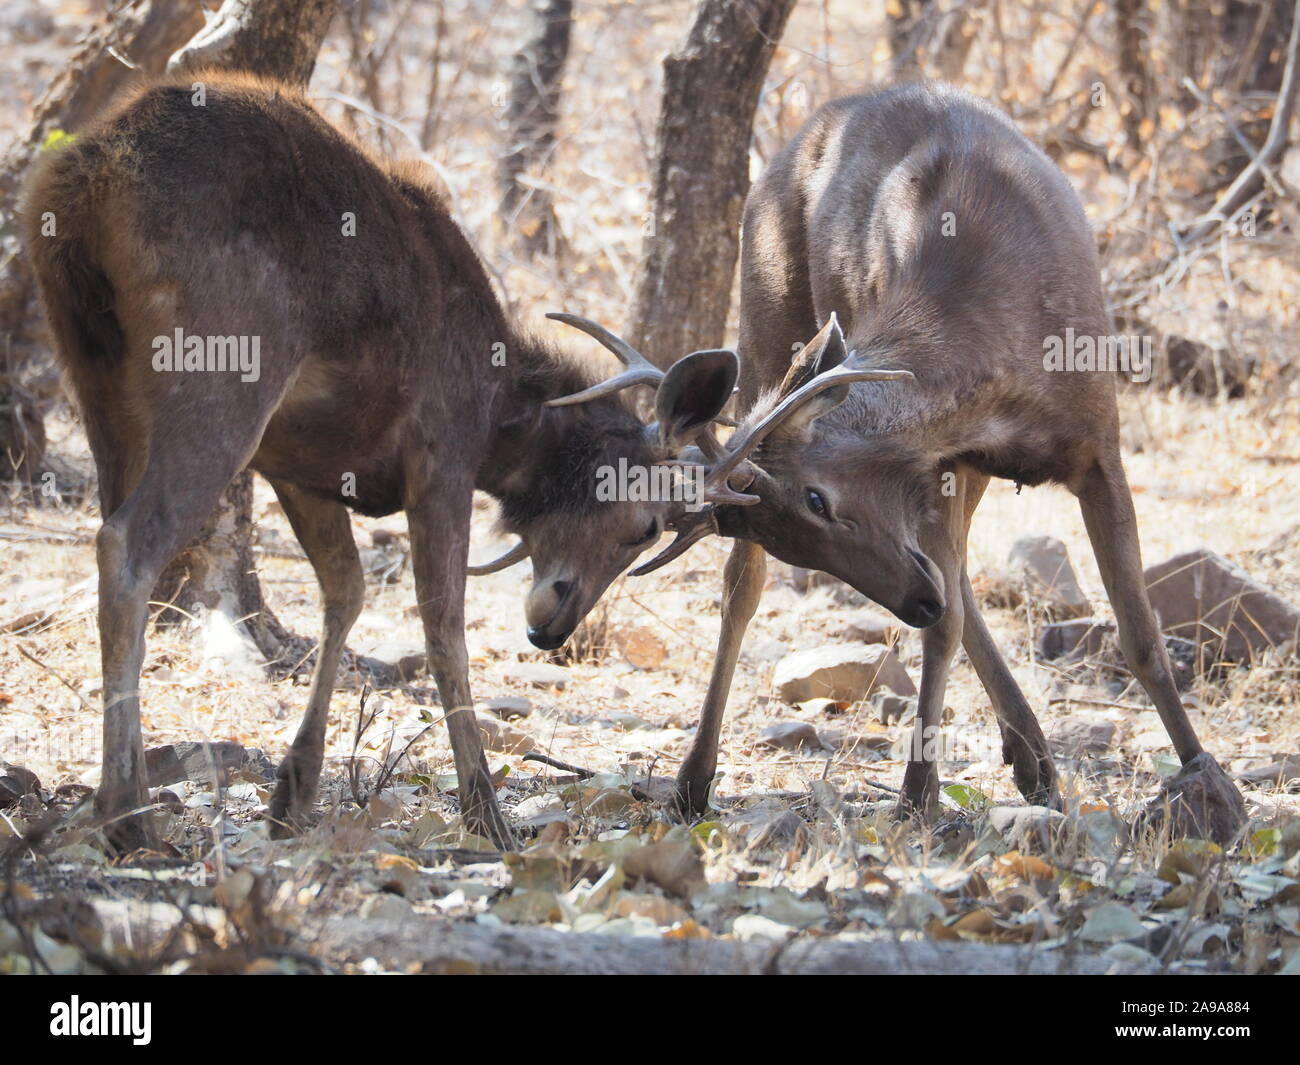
x,y
546,600
926,604
926,612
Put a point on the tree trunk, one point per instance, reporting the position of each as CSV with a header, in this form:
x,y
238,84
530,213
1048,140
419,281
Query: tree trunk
x,y
900,21
143,34
1132,29
214,582
531,117
274,38
701,176
214,577
927,39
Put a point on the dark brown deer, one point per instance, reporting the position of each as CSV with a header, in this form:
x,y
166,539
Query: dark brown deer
x,y
952,250
389,379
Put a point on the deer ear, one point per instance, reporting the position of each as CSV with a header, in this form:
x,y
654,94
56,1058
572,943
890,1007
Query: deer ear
x,y
799,422
692,393
834,351
823,352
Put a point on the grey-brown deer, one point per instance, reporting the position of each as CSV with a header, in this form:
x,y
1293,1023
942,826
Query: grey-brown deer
x,y
389,379
955,254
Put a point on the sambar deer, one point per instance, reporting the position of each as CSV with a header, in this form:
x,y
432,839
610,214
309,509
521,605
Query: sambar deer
x,y
389,379
954,252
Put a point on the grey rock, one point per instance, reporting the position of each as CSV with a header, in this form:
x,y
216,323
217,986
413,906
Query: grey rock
x,y
1204,598
538,675
384,905
406,657
496,735
844,672
1027,827
869,626
508,707
537,811
784,830
894,707
205,763
1043,563
805,580
857,742
1281,771
1086,637
1080,737
16,782
791,736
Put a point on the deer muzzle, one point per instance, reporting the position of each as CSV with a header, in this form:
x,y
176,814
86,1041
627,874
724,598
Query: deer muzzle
x,y
552,612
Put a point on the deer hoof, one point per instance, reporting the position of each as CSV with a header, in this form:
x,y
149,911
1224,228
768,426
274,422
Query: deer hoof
x,y
482,816
135,833
919,799
1035,776
691,796
291,802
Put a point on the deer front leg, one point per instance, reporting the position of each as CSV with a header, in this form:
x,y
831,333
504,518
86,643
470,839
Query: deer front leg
x,y
945,544
439,526
742,587
325,532
1024,747
920,794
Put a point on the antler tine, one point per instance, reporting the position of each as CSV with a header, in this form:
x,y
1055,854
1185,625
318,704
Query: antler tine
x,y
640,370
841,375
703,523
516,554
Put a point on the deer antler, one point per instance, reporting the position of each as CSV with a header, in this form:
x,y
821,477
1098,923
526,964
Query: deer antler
x,y
690,531
640,370
846,373
516,554
722,462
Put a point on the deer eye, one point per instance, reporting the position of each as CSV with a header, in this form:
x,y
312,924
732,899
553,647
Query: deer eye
x,y
817,504
650,534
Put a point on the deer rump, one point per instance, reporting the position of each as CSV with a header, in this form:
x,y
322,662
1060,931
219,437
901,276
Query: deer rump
x,y
248,216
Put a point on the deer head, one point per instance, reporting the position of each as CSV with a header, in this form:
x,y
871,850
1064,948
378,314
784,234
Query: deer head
x,y
600,486
823,496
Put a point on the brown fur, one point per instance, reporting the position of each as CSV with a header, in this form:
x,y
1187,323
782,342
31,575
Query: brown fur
x,y
377,391
848,219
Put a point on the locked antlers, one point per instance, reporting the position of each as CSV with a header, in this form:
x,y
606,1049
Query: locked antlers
x,y
688,396
823,366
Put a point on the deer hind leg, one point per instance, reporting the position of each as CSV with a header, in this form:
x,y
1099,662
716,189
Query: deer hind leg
x,y
181,483
325,532
742,587
1024,747
945,544
439,526
1112,528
